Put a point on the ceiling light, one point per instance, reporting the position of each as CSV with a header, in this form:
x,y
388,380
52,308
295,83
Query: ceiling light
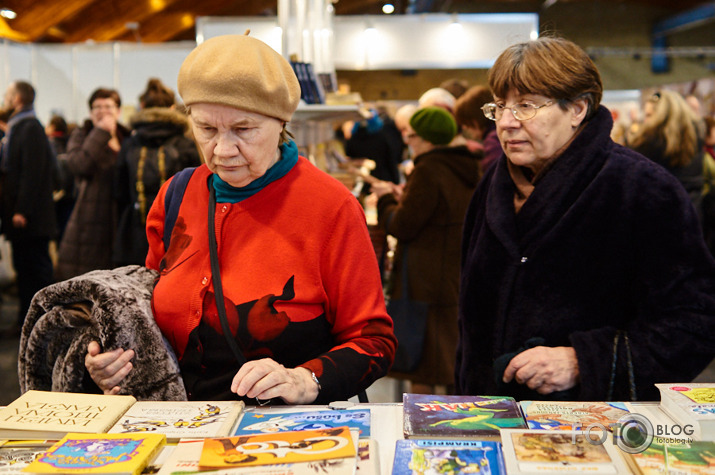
x,y
7,13
388,8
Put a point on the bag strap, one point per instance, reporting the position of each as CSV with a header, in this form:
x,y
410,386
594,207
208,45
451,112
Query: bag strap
x,y
172,201
216,275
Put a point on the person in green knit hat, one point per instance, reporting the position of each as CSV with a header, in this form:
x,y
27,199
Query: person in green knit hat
x,y
426,218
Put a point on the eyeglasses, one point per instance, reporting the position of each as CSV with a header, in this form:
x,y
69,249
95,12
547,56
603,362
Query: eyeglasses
x,y
521,111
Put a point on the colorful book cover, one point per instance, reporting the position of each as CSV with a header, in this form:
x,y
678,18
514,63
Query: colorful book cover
x,y
691,403
280,447
534,451
255,422
180,419
568,415
459,417
51,415
99,453
695,458
448,457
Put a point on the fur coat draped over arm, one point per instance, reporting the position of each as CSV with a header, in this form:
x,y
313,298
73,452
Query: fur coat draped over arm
x,y
112,307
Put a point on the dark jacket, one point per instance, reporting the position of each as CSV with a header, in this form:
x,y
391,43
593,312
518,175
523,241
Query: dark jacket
x,y
607,240
28,178
428,220
155,129
89,236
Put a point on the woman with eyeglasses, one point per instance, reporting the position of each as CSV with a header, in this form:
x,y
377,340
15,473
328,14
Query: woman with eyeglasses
x,y
91,157
584,271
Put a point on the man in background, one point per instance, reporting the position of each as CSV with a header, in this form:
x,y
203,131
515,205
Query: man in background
x,y
27,168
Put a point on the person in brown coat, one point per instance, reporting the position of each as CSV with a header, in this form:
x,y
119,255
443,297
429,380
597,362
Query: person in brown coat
x,y
427,217
91,156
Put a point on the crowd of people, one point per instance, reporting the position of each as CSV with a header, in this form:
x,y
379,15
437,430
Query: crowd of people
x,y
554,263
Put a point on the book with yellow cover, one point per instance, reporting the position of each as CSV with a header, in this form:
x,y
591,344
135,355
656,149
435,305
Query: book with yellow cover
x,y
52,415
278,448
120,454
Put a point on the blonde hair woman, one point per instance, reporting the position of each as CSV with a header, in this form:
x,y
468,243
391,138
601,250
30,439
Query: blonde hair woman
x,y
672,137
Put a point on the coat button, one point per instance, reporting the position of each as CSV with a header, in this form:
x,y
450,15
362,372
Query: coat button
x,y
223,210
524,259
205,280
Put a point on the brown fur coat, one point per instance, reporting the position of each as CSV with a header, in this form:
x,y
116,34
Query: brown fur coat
x,y
112,307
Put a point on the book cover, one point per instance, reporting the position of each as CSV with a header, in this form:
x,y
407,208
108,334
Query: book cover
x,y
368,459
255,422
695,458
48,415
691,404
13,459
185,458
99,453
534,451
571,415
280,447
180,419
448,457
459,417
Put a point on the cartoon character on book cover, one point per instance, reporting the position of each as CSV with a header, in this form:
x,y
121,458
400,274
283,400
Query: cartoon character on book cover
x,y
696,458
557,447
88,453
207,415
571,415
438,460
253,423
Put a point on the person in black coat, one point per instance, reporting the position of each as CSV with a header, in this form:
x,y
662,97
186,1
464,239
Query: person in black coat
x,y
28,168
584,271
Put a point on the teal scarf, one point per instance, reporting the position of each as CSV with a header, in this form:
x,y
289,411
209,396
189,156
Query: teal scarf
x,y
226,193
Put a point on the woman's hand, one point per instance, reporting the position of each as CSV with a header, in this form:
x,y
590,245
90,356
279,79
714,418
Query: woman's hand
x,y
108,369
544,369
267,379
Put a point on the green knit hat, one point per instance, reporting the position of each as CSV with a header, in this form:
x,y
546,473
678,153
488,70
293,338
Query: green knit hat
x,y
434,124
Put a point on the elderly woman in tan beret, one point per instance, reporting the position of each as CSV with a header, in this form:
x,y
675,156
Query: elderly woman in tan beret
x,y
302,302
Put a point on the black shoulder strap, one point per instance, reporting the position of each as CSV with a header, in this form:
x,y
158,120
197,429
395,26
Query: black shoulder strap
x,y
172,201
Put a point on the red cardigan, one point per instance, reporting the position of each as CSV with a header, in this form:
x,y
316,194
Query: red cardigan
x,y
300,281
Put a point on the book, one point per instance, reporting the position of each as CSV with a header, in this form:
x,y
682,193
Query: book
x,y
52,415
571,415
448,456
180,419
368,459
429,416
695,458
255,422
185,460
15,457
280,447
117,454
691,404
542,451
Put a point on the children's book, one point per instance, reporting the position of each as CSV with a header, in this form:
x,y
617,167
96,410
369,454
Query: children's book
x,y
277,448
691,404
185,458
544,451
258,422
14,458
568,415
695,458
118,454
51,415
448,457
459,417
368,459
180,419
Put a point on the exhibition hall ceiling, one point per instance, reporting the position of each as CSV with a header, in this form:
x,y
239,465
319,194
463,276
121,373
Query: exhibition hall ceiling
x,y
153,21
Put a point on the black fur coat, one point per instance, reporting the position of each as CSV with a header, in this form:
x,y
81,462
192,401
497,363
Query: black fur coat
x,y
112,307
608,241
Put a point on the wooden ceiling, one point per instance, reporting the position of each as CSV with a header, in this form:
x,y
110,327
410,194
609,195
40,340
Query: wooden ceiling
x,y
153,21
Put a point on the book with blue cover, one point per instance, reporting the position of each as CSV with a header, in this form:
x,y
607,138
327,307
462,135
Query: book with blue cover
x,y
448,456
268,422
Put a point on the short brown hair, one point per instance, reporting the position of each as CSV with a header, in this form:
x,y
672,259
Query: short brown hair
x,y
550,67
468,109
104,93
26,92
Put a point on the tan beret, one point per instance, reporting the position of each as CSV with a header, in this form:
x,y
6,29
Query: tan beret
x,y
241,72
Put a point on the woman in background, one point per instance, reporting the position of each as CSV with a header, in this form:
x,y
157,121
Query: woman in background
x,y
670,136
157,149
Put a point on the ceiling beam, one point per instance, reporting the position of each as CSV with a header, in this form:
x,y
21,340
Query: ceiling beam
x,y
36,17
